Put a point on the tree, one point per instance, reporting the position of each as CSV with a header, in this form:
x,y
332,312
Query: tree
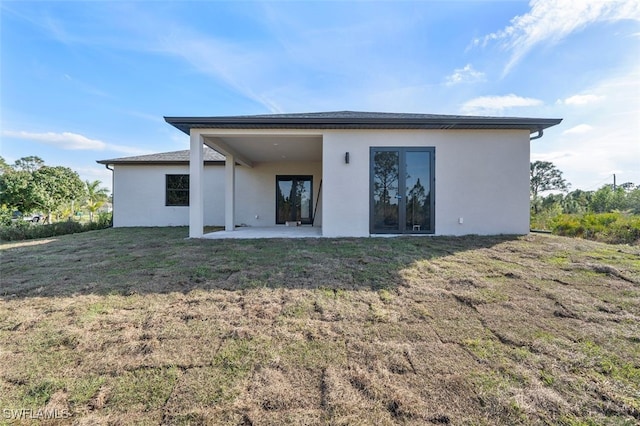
x,y
4,167
607,199
30,186
633,200
29,164
577,201
53,186
544,176
96,197
15,190
629,186
16,183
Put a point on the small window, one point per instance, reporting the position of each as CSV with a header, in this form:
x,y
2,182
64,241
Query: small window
x,y
177,190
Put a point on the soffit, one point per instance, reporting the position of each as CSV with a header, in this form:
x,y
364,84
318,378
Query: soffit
x,y
269,148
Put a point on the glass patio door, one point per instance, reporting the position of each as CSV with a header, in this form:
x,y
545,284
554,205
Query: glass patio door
x,y
385,195
294,195
402,188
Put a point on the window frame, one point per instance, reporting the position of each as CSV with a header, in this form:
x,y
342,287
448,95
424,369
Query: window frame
x,y
402,150
182,202
294,178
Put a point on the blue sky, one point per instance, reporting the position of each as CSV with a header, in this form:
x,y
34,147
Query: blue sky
x,y
85,81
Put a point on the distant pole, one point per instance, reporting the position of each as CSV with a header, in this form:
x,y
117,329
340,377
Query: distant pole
x,y
614,181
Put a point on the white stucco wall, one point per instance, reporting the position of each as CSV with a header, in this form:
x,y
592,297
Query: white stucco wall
x,y
139,194
256,190
481,176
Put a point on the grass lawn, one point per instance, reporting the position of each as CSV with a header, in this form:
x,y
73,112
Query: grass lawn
x,y
142,326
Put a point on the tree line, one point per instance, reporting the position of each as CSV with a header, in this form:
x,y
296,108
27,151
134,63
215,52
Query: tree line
x,y
29,186
545,176
609,214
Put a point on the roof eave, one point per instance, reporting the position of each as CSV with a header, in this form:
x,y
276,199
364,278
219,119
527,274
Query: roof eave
x,y
185,124
166,163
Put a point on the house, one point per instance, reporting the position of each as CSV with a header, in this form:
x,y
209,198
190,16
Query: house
x,y
351,173
153,190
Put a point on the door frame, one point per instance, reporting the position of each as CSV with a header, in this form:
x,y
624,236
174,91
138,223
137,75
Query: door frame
x,y
295,178
402,150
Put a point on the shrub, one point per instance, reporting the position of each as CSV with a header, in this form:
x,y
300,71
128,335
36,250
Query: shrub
x,y
6,215
615,228
105,220
624,231
28,231
568,225
545,216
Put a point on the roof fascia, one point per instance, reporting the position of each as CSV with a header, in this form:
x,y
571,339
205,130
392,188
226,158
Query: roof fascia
x,y
185,124
156,162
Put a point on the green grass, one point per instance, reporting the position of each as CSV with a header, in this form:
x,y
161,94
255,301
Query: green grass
x,y
143,326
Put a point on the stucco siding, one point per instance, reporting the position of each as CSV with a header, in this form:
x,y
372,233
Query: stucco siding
x,y
256,190
139,196
481,177
345,206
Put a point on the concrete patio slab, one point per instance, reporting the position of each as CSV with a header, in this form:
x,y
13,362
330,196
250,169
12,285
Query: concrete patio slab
x,y
254,232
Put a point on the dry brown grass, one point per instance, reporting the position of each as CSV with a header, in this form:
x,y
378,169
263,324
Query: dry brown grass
x,y
141,326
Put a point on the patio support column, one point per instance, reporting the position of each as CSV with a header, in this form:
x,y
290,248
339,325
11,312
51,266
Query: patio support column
x,y
229,192
196,186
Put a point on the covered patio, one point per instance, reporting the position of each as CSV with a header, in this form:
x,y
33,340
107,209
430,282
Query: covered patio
x,y
256,232
249,149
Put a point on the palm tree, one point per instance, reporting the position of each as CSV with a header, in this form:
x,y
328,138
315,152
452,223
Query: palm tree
x,y
96,197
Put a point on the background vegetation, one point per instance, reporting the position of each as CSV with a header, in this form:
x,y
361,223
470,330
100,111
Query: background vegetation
x,y
609,214
68,205
22,230
56,195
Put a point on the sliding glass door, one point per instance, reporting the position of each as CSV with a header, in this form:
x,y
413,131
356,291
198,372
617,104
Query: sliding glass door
x,y
385,194
294,195
402,190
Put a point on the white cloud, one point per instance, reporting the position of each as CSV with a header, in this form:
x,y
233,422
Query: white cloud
x,y
580,100
579,129
464,75
64,140
602,137
552,20
497,104
72,142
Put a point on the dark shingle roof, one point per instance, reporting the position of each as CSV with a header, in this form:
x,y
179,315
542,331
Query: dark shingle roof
x,y
360,120
174,157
